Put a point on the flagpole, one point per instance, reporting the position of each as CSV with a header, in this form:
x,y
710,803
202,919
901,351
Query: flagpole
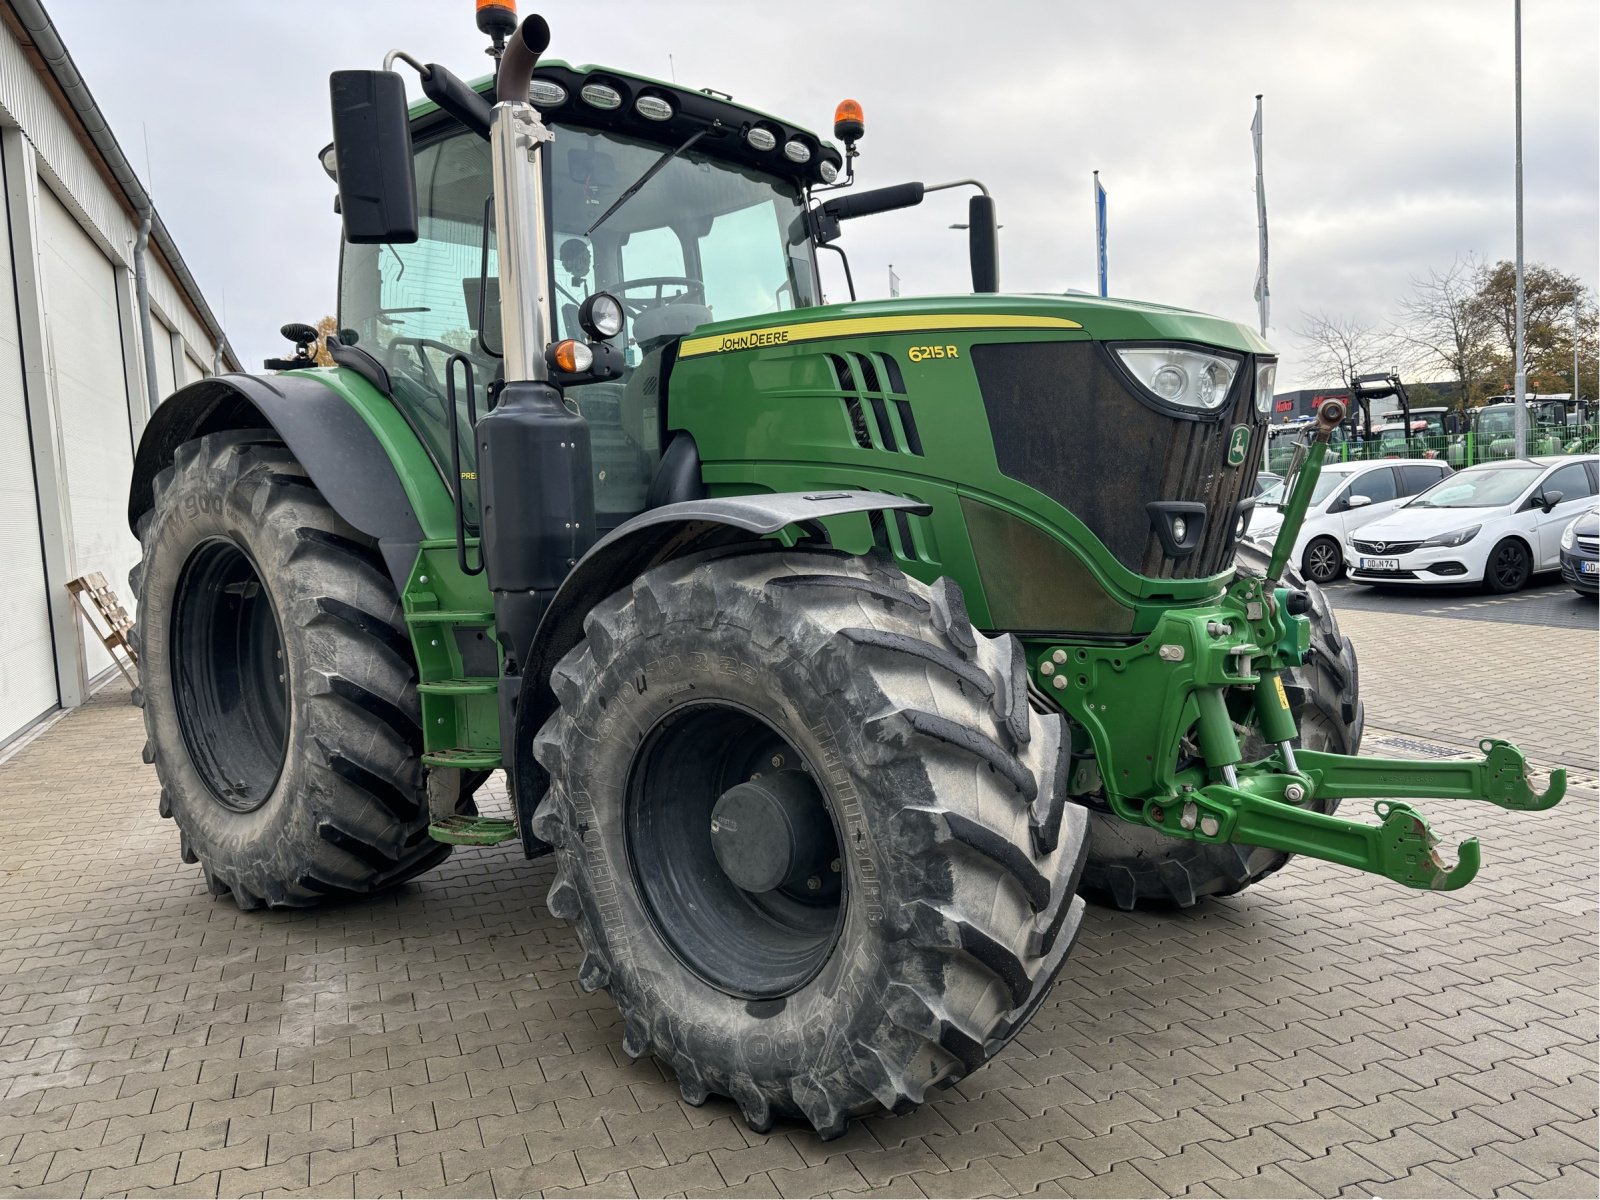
x,y
1263,294
1519,414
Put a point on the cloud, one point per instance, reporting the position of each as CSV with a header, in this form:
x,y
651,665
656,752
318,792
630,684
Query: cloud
x,y
1388,132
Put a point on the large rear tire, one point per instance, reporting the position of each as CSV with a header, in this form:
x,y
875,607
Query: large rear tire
x,y
1131,866
278,683
942,903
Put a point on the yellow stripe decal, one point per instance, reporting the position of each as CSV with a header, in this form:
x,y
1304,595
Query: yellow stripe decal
x,y
780,335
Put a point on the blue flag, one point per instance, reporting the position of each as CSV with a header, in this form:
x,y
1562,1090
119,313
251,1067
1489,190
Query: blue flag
x,y
1100,230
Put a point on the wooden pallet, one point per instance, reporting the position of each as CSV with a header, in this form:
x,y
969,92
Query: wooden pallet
x,y
102,601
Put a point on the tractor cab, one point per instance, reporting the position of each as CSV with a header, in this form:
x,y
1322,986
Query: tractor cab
x,y
682,206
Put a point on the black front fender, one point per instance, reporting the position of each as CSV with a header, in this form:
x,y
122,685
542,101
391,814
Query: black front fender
x,y
335,446
648,540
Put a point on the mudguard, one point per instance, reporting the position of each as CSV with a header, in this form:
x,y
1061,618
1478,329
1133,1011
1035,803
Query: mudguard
x,y
331,440
648,540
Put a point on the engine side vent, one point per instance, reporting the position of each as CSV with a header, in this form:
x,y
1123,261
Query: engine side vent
x,y
872,390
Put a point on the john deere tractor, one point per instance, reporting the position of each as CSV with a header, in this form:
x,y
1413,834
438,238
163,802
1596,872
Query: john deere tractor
x,y
831,649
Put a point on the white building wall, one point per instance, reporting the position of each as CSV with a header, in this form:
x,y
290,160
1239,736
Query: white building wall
x,y
71,367
85,349
27,659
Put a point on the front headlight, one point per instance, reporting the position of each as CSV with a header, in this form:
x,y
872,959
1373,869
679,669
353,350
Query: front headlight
x,y
1459,537
1567,537
1176,375
1266,376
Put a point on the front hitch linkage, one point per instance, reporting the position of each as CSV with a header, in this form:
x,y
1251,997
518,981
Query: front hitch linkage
x,y
1263,809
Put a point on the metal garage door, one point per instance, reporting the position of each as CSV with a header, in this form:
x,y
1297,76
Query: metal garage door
x,y
86,355
166,383
27,664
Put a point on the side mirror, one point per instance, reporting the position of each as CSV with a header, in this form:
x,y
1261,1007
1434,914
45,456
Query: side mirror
x,y
1549,500
1358,501
983,236
372,157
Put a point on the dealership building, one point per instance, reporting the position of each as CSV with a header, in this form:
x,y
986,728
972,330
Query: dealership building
x,y
100,322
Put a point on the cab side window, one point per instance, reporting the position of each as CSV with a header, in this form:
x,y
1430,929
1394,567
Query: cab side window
x,y
1378,486
1418,477
1572,481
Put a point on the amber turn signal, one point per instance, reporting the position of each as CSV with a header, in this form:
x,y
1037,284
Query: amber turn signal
x,y
848,123
571,356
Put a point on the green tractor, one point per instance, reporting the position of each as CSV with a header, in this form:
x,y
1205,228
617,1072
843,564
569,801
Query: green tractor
x,y
831,650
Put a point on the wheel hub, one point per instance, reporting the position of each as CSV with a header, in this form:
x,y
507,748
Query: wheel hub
x,y
772,832
229,676
732,844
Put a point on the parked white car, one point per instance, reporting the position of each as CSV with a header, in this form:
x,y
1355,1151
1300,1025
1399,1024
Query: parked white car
x,y
1498,523
1348,496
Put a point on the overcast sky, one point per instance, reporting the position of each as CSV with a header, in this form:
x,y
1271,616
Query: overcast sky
x,y
1389,132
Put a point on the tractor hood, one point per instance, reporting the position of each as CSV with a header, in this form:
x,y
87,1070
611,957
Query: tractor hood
x,y
1099,319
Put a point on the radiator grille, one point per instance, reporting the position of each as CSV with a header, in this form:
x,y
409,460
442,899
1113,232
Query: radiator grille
x,y
1064,421
872,396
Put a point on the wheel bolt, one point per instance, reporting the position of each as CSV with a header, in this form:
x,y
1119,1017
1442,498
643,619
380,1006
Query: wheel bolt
x,y
813,883
777,760
835,866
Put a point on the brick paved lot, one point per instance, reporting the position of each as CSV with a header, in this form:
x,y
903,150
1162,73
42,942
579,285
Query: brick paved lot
x,y
1323,1034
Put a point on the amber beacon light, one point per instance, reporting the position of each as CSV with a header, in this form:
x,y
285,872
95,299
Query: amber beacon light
x,y
497,18
848,123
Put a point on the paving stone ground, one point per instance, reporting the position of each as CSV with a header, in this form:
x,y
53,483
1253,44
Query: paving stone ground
x,y
1323,1034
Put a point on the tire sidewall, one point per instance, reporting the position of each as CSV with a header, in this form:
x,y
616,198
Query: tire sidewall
x,y
201,507
766,1041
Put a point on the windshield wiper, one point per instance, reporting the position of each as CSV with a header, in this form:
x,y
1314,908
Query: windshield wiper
x,y
638,183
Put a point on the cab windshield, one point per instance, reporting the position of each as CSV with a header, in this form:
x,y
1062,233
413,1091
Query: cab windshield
x,y
701,241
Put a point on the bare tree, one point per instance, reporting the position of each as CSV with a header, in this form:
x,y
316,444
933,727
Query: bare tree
x,y
1338,348
1451,329
326,329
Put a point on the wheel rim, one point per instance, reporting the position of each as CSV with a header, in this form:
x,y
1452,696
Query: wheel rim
x,y
228,676
1508,566
1321,561
756,945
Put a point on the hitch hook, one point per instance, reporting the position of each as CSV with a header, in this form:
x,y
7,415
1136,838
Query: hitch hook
x,y
1408,855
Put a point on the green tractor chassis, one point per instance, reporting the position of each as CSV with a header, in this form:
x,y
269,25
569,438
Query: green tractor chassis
x,y
831,649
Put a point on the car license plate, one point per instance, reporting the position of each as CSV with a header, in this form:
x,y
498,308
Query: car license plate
x,y
1588,566
1380,564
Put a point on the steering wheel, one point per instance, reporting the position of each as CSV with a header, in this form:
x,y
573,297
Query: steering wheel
x,y
694,292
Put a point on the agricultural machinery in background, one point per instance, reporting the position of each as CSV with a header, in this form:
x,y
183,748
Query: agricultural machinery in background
x,y
831,649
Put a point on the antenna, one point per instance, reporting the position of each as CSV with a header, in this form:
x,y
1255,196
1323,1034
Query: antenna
x,y
672,68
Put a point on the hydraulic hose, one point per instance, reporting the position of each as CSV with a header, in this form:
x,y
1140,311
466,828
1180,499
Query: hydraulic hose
x,y
521,56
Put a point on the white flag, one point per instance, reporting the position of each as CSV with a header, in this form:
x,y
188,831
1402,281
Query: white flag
x,y
1263,293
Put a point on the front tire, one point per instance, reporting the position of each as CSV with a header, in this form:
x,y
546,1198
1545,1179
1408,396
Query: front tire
x,y
278,687
1134,867
946,860
1508,567
1323,561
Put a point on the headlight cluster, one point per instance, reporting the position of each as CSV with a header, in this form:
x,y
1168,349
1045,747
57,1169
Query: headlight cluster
x,y
1567,536
1177,375
1266,376
1457,537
